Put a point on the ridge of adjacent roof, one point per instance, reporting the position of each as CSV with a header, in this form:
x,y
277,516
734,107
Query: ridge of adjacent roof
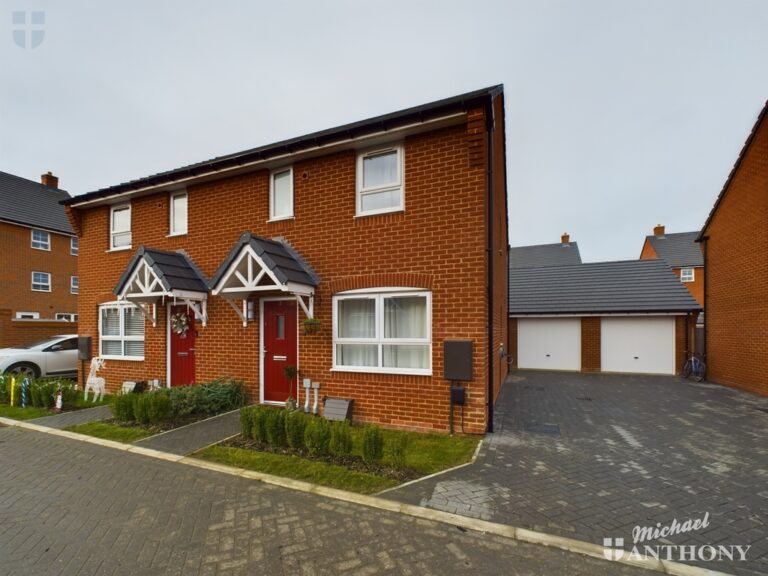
x,y
388,121
747,143
539,255
30,203
677,249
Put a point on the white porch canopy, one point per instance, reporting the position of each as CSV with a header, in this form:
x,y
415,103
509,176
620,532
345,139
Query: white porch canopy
x,y
153,276
257,266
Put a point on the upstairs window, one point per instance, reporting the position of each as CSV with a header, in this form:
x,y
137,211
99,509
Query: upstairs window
x,y
120,227
178,214
41,240
686,275
281,194
383,332
74,284
380,181
41,282
74,245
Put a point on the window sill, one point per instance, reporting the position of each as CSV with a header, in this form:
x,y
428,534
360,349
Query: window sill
x,y
379,213
41,249
282,219
174,234
46,291
394,371
121,249
126,358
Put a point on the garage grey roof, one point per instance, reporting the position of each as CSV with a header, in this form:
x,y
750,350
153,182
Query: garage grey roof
x,y
678,250
632,286
175,270
30,203
544,255
278,256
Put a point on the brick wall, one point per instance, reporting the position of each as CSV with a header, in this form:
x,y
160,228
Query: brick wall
x,y
14,332
737,275
17,262
590,344
438,242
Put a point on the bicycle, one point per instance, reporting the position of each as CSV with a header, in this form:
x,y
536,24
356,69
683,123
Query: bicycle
x,y
695,368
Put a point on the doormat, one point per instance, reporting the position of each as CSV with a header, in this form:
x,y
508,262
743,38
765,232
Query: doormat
x,y
536,428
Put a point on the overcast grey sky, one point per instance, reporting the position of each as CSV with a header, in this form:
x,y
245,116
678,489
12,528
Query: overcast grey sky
x,y
620,113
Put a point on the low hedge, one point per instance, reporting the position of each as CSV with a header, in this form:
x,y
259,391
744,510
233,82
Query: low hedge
x,y
167,405
41,392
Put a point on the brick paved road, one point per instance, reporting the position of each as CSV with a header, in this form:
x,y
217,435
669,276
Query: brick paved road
x,y
631,450
69,508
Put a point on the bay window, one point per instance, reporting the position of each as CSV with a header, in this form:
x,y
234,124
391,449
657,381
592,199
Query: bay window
x,y
384,331
121,331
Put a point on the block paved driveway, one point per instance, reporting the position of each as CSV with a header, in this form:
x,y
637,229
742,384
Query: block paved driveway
x,y
73,508
630,450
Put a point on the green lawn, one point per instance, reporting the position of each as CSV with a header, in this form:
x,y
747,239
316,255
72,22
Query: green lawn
x,y
427,453
19,413
110,431
297,468
80,403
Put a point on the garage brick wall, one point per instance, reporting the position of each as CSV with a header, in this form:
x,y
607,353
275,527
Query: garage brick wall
x,y
737,274
590,344
14,332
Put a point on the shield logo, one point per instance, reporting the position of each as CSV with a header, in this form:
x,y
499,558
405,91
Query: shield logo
x,y
28,29
613,549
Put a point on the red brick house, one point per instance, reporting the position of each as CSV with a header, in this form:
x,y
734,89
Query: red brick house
x,y
390,233
38,261
681,253
734,241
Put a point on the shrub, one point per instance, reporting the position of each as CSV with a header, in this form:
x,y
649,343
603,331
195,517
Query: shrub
x,y
398,446
246,421
206,399
122,407
317,436
341,439
275,427
159,407
295,425
259,424
141,408
373,444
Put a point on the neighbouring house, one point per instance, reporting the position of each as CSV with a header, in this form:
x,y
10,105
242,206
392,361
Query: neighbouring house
x,y
350,254
681,253
564,252
629,316
38,261
734,241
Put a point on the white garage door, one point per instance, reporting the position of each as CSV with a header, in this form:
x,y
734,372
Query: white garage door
x,y
639,345
549,343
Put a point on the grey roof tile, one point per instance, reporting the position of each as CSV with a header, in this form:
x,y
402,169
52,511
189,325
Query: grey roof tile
x,y
544,255
600,287
30,203
679,249
175,270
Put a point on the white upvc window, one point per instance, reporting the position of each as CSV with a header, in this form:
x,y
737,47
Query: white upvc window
x,y
27,315
380,181
41,281
281,194
68,316
121,331
74,246
120,227
41,240
74,284
383,330
179,213
686,275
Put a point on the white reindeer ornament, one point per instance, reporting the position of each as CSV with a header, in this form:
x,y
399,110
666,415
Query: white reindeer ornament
x,y
95,383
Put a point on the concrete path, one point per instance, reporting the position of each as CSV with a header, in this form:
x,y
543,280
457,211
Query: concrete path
x,y
66,419
71,508
193,437
592,456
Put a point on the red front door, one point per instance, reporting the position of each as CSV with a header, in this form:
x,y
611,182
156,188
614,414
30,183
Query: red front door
x,y
182,346
279,326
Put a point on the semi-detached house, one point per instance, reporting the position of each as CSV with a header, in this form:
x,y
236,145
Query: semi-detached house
x,y
352,254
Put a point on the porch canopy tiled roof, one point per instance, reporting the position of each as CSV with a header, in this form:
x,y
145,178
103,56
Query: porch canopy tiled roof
x,y
257,265
153,275
625,287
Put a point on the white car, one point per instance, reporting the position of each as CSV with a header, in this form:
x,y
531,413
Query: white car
x,y
54,356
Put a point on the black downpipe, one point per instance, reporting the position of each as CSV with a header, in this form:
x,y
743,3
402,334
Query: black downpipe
x,y
706,296
491,125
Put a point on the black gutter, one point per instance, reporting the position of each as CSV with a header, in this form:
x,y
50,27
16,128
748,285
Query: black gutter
x,y
490,127
605,312
422,113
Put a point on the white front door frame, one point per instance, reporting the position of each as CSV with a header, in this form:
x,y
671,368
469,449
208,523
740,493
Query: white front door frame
x,y
261,345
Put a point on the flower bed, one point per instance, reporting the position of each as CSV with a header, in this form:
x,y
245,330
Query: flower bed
x,y
39,397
